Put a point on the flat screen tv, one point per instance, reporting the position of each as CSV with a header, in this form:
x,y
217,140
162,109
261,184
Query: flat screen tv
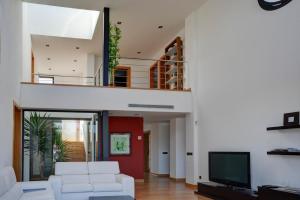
x,y
230,168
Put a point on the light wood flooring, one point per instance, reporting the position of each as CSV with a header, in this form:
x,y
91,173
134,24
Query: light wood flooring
x,y
163,188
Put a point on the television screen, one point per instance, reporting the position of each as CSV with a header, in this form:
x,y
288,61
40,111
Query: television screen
x,y
230,168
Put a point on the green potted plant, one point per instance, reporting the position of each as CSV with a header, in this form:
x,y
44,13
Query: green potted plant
x,y
114,51
36,137
60,147
41,137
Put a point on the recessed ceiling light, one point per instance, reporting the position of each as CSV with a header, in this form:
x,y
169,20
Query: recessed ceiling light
x,y
160,27
48,58
139,52
73,70
119,22
49,68
77,47
47,45
75,60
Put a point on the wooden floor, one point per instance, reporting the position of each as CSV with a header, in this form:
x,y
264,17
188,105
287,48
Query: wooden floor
x,y
163,188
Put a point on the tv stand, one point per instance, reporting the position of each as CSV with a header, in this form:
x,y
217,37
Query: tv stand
x,y
218,191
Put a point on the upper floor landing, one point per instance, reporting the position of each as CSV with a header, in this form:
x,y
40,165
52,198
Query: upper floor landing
x,y
95,98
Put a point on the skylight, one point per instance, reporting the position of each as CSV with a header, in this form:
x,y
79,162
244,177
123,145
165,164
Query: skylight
x,y
60,21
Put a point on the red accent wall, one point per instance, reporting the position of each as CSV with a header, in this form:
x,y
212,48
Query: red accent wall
x,y
133,164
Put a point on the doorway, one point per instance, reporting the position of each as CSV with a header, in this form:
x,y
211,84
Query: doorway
x,y
147,151
122,77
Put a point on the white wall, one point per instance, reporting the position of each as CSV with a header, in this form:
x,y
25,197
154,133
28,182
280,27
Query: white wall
x,y
68,78
191,164
191,77
246,68
140,76
10,72
95,98
154,161
90,69
26,72
159,143
177,148
164,146
161,51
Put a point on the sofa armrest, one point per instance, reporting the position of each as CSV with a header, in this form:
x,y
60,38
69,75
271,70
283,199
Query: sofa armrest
x,y
127,182
56,184
34,185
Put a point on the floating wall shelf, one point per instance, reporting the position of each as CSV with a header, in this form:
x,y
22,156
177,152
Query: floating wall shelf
x,y
282,127
283,153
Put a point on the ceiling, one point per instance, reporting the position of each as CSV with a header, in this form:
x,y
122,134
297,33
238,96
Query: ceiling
x,y
63,55
140,20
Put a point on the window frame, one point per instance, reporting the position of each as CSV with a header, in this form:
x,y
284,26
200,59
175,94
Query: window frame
x,y
46,77
128,80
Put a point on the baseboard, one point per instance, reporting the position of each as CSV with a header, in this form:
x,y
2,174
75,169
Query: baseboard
x,y
160,175
192,186
177,179
139,180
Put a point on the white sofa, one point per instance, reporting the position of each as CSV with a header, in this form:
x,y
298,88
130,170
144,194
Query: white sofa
x,y
81,180
11,190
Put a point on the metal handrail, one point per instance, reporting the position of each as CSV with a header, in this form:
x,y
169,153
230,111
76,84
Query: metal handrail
x,y
140,78
64,76
98,70
150,59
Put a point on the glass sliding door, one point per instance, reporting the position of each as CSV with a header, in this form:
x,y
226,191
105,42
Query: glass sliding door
x,y
51,137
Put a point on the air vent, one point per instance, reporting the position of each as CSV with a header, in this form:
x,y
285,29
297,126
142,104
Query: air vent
x,y
150,106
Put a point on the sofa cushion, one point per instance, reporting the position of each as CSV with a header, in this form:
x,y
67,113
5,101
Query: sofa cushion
x,y
9,177
38,195
73,179
14,193
102,178
71,168
3,186
76,188
104,167
108,187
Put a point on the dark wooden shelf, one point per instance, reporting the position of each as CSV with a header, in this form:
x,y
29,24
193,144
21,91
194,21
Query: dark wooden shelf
x,y
215,191
282,127
283,153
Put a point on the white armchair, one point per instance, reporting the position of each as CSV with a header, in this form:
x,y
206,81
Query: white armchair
x,y
11,190
56,184
81,180
127,183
